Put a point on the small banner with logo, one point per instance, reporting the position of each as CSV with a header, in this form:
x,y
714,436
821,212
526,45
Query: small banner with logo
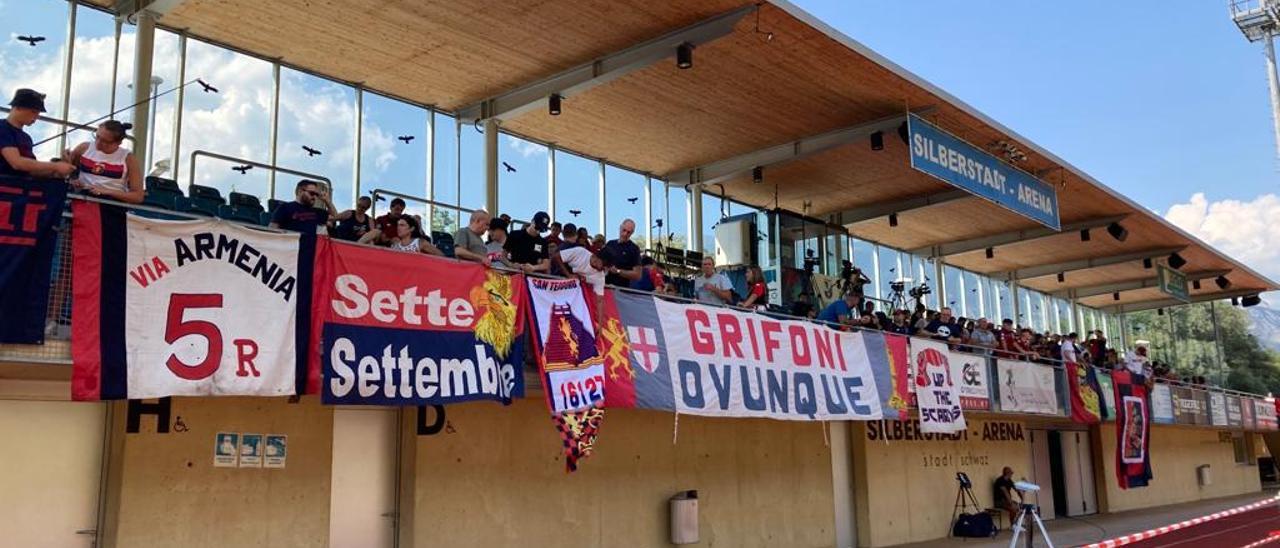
x,y
572,368
30,210
1086,394
1133,429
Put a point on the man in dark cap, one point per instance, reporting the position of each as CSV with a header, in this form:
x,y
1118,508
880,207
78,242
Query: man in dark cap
x,y
16,155
527,248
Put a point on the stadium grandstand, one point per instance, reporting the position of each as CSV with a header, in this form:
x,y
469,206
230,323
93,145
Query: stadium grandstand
x,y
772,172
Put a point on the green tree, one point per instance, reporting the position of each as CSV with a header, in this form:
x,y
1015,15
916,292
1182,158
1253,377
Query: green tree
x,y
1184,337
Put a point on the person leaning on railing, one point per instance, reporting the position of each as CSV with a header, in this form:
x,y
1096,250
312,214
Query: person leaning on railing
x,y
302,215
17,156
409,238
981,337
527,249
353,224
468,241
107,168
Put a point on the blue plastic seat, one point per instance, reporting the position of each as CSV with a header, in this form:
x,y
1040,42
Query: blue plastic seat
x,y
443,241
204,199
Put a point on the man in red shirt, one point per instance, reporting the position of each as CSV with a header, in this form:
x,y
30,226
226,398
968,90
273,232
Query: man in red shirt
x,y
1007,338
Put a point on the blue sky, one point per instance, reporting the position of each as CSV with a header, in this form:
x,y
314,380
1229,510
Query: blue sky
x,y
1158,100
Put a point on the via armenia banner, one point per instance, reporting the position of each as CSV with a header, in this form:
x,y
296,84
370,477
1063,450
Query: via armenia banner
x,y
186,308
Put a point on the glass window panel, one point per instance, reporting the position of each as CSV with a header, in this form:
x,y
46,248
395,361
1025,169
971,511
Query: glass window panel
x,y
973,305
888,269
677,217
523,187
317,113
624,199
237,122
471,190
952,292
864,259
39,67
164,112
577,192
658,225
445,176
1006,302
386,161
91,82
713,209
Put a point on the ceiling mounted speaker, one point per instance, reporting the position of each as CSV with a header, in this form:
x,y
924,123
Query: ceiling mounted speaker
x,y
1251,300
877,140
1118,231
1176,261
1222,282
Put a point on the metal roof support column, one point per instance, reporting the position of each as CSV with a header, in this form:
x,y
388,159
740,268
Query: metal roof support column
x,y
275,118
1017,304
142,56
695,218
939,281
490,165
648,212
1075,318
65,104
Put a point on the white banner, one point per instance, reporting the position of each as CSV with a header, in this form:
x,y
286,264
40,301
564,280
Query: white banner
x,y
1027,387
574,370
211,308
937,396
1218,408
969,373
729,363
1161,404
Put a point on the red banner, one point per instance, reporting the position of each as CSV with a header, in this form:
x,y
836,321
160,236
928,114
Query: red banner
x,y
895,401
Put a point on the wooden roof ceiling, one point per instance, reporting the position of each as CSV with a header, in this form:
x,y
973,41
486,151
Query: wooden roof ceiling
x,y
744,93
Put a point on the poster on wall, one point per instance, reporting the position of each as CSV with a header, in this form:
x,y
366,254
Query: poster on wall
x,y
276,451
969,372
700,360
186,308
1189,406
1026,387
409,329
1264,413
1235,413
1133,430
1108,394
937,396
226,447
570,363
1218,409
250,450
1161,404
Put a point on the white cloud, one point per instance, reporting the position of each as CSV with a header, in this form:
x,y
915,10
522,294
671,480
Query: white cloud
x,y
1245,230
525,148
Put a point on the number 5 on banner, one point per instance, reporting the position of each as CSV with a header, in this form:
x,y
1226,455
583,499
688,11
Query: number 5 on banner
x,y
177,327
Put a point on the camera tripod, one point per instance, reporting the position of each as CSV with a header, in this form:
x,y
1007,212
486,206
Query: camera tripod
x,y
1025,510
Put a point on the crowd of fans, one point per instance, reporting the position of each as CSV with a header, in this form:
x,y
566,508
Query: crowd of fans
x,y
102,167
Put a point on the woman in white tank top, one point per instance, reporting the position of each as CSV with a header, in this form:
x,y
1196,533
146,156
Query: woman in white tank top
x,y
107,169
409,238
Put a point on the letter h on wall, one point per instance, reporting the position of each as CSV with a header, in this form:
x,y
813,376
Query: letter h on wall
x,y
138,408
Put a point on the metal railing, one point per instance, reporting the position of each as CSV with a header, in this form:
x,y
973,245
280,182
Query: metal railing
x,y
57,348
271,190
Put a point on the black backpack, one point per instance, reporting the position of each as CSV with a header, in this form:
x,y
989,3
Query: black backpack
x,y
974,526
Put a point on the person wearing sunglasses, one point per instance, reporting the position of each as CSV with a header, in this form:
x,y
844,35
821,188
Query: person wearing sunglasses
x,y
309,211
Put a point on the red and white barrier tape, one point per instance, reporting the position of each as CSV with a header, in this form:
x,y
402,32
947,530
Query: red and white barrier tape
x,y
1271,538
1150,533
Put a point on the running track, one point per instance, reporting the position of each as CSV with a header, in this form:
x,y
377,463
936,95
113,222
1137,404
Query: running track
x,y
1240,530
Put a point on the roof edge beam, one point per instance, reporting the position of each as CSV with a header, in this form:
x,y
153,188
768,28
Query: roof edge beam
x,y
1018,236
1162,303
1036,271
1103,289
723,170
603,69
875,211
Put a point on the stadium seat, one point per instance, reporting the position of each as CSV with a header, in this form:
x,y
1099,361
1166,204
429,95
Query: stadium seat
x,y
163,193
242,207
444,241
204,199
272,204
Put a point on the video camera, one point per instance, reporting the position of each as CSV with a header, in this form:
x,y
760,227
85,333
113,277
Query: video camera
x,y
852,276
919,291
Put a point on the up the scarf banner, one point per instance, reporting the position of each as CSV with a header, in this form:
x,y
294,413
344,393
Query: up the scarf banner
x,y
30,210
571,366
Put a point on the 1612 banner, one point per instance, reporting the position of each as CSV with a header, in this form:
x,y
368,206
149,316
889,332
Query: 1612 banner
x,y
186,308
